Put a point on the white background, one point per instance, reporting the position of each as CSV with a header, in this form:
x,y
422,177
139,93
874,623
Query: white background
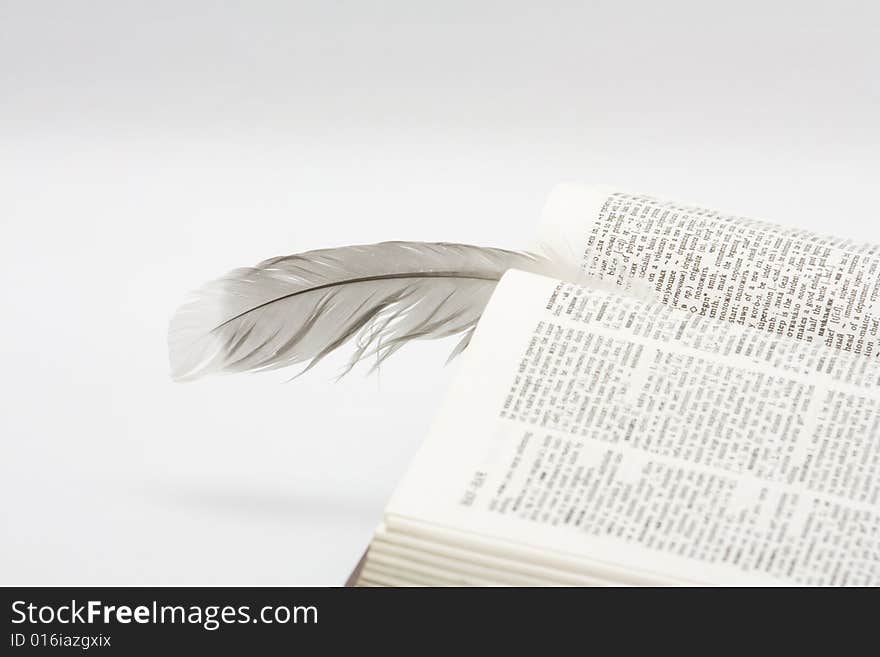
x,y
147,147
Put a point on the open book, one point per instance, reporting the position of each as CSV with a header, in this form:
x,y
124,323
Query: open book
x,y
724,431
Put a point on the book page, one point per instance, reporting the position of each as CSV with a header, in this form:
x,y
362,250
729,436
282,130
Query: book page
x,y
593,428
784,281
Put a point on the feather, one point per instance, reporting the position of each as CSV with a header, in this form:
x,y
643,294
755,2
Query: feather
x,y
299,308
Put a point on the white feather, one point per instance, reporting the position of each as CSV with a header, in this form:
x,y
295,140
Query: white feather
x,y
299,308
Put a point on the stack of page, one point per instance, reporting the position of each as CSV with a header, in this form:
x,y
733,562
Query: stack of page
x,y
707,414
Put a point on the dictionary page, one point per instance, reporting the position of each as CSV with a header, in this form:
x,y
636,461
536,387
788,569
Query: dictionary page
x,y
784,281
591,433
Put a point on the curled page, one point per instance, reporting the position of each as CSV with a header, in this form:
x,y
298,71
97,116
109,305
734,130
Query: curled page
x,y
784,281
